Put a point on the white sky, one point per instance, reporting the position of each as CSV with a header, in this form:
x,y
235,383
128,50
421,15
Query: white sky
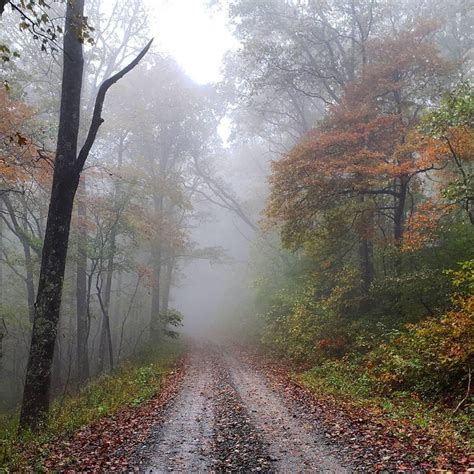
x,y
197,36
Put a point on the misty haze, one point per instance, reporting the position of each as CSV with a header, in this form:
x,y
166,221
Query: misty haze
x,y
236,235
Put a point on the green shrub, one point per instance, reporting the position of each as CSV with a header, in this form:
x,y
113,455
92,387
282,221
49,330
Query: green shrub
x,y
433,357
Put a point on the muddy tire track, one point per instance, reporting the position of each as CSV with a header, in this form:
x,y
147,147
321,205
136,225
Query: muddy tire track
x,y
293,446
183,442
238,444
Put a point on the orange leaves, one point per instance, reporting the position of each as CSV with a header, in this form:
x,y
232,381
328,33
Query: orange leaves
x,y
18,154
460,141
423,225
367,149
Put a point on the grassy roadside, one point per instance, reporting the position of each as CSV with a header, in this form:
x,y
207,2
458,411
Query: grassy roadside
x,y
130,385
443,435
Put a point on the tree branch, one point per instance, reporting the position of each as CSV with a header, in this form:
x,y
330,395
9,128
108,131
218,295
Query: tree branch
x,y
97,119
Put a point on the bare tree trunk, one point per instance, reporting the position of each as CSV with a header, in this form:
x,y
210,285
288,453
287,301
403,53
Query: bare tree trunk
x,y
118,293
167,284
366,248
29,281
155,292
399,215
20,229
105,335
30,284
67,170
366,252
82,316
155,323
398,230
65,180
106,332
3,332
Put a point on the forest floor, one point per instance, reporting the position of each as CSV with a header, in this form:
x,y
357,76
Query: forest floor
x,y
225,408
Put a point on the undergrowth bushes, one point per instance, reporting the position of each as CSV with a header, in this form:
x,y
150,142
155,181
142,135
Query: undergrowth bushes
x,y
431,357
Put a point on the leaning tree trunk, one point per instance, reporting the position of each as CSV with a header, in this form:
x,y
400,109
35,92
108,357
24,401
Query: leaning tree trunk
x,y
67,170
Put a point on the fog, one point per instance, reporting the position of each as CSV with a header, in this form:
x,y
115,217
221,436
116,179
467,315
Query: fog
x,y
178,216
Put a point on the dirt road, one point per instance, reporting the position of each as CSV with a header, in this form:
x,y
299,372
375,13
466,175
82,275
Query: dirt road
x,y
227,418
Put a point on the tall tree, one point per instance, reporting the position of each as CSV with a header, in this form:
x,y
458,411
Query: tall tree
x,y
366,157
67,170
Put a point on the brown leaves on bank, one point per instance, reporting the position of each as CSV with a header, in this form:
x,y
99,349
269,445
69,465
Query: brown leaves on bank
x,y
110,443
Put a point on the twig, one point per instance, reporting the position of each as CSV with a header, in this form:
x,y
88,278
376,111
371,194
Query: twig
x,y
468,392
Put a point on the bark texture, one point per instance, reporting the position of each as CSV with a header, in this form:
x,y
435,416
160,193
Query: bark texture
x,y
65,181
67,171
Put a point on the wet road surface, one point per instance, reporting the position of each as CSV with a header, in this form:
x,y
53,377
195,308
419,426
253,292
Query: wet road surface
x,y
227,418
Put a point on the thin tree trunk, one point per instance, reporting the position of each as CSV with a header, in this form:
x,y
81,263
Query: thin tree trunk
x,y
29,281
157,252
82,316
366,248
20,229
3,332
399,215
167,285
398,230
106,332
106,335
118,293
155,293
366,252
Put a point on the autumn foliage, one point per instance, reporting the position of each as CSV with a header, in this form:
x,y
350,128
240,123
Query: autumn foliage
x,y
376,205
17,150
368,150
